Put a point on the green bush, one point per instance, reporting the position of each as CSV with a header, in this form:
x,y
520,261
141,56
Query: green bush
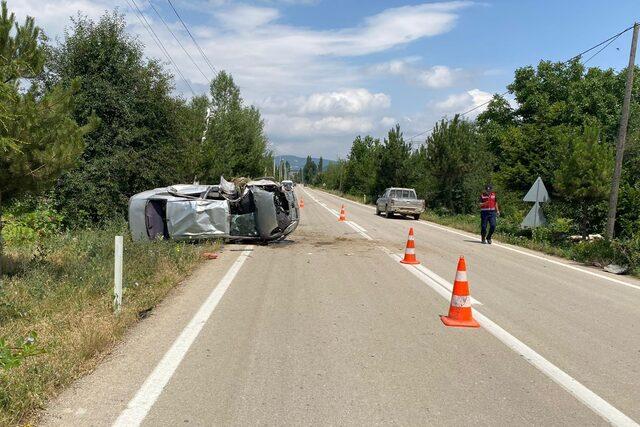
x,y
598,252
554,232
30,219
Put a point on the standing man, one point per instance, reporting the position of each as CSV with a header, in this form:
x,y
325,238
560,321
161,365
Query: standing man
x,y
489,209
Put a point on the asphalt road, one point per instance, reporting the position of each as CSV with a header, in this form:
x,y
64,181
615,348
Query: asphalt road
x,y
328,328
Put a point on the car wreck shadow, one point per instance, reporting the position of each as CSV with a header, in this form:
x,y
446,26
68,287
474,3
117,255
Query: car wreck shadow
x,y
278,243
398,217
472,241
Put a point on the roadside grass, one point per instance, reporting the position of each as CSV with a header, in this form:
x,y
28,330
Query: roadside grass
x,y
550,240
61,288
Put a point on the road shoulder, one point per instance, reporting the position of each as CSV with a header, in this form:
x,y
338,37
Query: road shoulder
x,y
127,366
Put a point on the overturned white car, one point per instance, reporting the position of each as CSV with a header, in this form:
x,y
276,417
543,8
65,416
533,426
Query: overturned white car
x,y
262,210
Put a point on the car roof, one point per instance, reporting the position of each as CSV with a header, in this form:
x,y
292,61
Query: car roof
x,y
400,188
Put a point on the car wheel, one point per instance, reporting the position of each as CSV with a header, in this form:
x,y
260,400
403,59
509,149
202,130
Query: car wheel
x,y
416,217
388,213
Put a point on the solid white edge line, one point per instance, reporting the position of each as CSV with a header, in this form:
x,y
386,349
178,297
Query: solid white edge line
x,y
510,248
145,398
570,384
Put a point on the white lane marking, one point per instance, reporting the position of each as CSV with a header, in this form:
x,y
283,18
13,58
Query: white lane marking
x,y
347,200
552,261
442,282
361,231
359,227
139,406
510,248
570,384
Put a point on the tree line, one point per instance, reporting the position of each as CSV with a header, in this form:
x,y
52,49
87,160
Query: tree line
x,y
90,121
561,127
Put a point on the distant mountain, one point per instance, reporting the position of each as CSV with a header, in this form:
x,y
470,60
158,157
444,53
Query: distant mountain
x,y
298,162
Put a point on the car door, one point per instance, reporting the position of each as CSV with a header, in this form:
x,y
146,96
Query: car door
x,y
382,200
198,219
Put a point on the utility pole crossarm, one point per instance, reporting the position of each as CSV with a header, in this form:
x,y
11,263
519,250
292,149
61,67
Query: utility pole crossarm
x,y
622,136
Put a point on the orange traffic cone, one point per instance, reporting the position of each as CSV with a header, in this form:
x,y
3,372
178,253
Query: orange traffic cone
x,y
301,202
410,250
460,308
343,215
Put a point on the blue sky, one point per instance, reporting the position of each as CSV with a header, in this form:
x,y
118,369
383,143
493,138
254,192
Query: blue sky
x,y
323,72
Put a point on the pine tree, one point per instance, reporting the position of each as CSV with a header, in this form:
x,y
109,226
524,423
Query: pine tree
x,y
38,137
584,177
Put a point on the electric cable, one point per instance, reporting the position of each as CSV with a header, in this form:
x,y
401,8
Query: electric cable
x,y
177,40
606,43
192,38
158,42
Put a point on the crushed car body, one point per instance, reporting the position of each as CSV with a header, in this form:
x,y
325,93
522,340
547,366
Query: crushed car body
x,y
261,210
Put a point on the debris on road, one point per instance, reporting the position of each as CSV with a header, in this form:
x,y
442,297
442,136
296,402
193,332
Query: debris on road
x,y
616,269
210,255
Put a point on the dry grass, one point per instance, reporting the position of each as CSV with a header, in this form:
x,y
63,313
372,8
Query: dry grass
x,y
61,288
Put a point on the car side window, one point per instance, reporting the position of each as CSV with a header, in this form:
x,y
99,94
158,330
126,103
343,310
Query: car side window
x,y
392,194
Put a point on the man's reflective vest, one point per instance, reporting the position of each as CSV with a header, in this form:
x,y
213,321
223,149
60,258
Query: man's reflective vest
x,y
488,201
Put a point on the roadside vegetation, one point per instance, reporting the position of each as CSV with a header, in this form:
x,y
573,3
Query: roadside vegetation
x,y
561,125
85,123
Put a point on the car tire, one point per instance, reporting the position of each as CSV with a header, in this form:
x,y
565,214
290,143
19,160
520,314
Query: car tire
x,y
416,217
388,213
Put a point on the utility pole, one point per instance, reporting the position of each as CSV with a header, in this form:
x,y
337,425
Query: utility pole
x,y
622,136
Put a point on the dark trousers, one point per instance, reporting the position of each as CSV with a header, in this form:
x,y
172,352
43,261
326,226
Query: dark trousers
x,y
490,218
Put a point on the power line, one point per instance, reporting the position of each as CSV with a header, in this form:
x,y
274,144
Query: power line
x,y
158,42
211,67
600,50
615,36
176,39
606,43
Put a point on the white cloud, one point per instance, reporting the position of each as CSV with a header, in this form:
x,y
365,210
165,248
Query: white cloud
x,y
461,102
346,102
436,77
387,122
350,101
247,17
301,126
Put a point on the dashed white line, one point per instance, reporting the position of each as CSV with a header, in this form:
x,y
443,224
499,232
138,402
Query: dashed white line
x,y
139,406
361,231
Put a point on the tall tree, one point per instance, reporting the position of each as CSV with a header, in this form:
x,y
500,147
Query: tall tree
x,y
309,170
457,164
38,137
584,175
138,144
363,163
395,153
320,165
235,143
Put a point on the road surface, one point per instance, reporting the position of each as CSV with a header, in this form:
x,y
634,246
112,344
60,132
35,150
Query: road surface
x,y
328,328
